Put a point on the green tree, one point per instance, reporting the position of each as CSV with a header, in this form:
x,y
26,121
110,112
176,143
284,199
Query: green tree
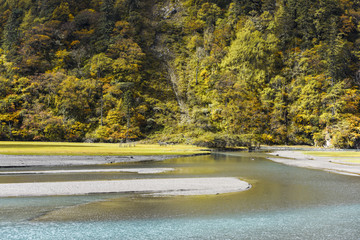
x,y
99,65
62,12
128,105
11,33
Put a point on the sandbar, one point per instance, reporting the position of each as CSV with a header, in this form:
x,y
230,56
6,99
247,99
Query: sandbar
x,y
113,170
7,161
158,187
299,159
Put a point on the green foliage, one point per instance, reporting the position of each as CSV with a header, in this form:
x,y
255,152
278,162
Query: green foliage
x,y
62,12
10,33
217,73
221,141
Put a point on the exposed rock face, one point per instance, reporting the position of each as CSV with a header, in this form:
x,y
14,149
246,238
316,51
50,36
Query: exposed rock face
x,y
171,13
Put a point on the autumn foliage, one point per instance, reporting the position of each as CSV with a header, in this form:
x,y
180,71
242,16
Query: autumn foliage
x,y
220,72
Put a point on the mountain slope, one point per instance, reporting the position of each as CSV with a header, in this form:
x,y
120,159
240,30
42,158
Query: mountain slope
x,y
213,73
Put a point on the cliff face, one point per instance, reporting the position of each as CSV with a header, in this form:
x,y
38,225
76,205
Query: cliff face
x,y
211,72
169,17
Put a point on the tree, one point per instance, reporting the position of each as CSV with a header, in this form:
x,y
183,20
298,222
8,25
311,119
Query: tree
x,y
11,33
128,105
98,66
209,12
128,60
76,99
62,12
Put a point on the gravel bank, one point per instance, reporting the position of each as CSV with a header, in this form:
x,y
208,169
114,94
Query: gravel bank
x,y
29,160
169,186
114,170
298,159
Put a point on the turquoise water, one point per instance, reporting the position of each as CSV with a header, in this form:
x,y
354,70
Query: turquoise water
x,y
341,222
284,203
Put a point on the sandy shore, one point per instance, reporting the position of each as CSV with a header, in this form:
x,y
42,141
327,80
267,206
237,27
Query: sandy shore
x,y
171,186
29,160
114,170
298,159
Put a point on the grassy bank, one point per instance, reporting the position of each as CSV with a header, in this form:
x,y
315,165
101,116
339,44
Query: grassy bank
x,y
95,149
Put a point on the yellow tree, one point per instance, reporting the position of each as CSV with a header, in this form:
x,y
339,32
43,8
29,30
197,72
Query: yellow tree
x,y
99,65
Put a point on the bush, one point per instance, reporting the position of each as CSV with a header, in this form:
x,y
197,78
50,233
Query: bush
x,y
221,140
210,140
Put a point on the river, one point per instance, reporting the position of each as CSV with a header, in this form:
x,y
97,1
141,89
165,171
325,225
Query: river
x,y
284,203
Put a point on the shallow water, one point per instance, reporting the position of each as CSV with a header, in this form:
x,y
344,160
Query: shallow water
x,y
310,223
284,203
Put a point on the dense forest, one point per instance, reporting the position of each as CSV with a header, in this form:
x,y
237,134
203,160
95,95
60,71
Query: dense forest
x,y
216,73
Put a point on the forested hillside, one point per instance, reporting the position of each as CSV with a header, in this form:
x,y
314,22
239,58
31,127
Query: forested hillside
x,y
220,72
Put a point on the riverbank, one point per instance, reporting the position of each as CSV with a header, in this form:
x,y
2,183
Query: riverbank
x,y
25,154
157,187
331,164
97,149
